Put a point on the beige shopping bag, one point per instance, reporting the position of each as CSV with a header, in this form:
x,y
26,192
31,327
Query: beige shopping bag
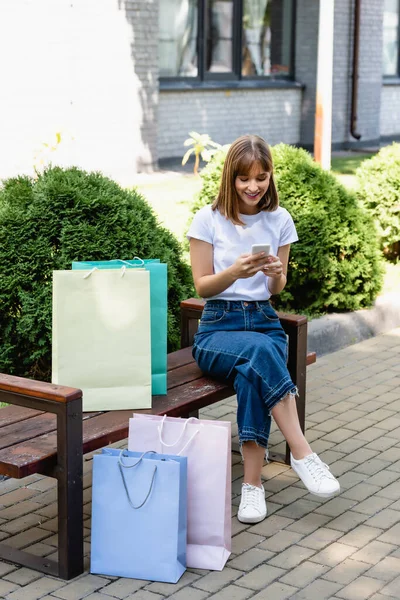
x,y
101,336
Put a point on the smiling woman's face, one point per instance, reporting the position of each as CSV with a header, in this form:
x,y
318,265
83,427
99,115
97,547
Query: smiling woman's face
x,y
250,188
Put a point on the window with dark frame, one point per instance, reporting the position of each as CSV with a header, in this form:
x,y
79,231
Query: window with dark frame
x,y
203,40
391,38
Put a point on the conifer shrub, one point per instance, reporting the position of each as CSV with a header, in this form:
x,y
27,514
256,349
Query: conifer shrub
x,y
378,189
62,216
336,264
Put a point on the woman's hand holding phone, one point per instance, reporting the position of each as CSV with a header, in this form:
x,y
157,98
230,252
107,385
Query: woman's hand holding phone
x,y
273,267
260,259
247,265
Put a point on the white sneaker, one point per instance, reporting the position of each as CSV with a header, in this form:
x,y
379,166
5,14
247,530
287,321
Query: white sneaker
x,y
315,475
253,508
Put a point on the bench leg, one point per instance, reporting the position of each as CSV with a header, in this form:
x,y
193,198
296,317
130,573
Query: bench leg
x,y
69,474
297,365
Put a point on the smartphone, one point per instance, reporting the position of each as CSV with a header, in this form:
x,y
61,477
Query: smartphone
x,y
256,248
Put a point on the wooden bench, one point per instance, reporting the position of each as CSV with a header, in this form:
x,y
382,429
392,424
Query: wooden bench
x,y
43,431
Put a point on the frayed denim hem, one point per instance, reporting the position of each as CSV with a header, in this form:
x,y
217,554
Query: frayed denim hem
x,y
282,389
290,392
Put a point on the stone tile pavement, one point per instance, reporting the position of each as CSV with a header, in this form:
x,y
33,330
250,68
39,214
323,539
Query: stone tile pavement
x,y
345,548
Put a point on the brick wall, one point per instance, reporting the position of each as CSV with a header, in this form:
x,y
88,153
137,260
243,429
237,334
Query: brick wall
x,y
306,50
390,110
370,70
378,106
142,15
86,68
225,115
342,71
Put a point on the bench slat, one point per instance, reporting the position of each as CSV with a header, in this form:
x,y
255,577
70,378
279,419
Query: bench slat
x,y
184,374
39,454
311,358
26,430
184,357
190,397
12,414
32,456
179,358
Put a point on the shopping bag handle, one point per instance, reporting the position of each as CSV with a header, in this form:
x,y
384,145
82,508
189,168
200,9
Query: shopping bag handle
x,y
134,258
90,272
122,466
123,269
160,430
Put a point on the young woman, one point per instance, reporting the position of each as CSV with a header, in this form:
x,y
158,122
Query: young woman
x,y
240,337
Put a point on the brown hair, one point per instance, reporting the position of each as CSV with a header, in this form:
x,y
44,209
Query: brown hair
x,y
243,153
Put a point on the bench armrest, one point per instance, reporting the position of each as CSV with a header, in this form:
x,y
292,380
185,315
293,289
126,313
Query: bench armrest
x,y
37,389
191,310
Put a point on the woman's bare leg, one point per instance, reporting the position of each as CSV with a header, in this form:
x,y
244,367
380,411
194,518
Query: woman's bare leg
x,y
287,419
253,458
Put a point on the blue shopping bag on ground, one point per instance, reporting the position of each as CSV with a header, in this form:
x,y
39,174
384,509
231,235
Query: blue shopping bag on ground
x,y
158,312
139,515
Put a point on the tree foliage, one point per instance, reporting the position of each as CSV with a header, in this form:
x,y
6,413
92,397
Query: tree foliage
x,y
378,180
62,216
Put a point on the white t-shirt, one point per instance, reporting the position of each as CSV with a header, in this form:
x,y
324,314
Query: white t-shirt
x,y
229,241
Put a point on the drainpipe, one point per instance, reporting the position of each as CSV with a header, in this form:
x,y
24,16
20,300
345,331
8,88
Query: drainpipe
x,y
354,87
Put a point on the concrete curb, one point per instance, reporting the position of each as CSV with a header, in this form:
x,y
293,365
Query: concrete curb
x,y
338,330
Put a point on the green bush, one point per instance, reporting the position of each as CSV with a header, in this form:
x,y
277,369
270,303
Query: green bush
x,y
47,223
378,188
336,265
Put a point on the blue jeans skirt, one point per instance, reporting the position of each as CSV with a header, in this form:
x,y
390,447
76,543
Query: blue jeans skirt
x,y
244,343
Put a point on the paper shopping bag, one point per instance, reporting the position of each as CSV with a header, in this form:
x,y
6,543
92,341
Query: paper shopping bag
x,y
207,445
101,337
158,312
139,515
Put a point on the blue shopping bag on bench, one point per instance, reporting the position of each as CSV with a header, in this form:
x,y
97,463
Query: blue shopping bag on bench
x,y
158,312
139,515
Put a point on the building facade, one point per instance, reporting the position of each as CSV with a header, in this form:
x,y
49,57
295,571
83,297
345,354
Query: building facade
x,y
124,81
279,104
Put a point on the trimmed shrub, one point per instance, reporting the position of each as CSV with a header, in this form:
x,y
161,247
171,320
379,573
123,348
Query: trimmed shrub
x,y
378,189
336,265
47,223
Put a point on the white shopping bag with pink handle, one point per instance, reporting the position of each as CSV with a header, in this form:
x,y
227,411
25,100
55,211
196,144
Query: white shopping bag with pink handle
x,y
207,445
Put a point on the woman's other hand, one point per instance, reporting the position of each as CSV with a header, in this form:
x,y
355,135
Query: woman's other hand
x,y
274,267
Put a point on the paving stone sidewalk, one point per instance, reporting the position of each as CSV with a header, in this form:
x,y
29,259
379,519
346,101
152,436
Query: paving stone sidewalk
x,y
345,548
